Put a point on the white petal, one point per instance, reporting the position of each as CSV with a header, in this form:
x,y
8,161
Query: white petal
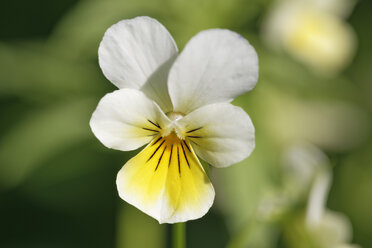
x,y
220,133
318,198
334,229
132,50
216,65
126,119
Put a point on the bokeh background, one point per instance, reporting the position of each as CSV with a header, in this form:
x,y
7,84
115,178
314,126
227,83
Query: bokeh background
x,y
307,184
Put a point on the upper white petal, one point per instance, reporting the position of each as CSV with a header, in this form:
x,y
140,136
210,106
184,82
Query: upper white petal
x,y
133,50
216,65
224,135
122,119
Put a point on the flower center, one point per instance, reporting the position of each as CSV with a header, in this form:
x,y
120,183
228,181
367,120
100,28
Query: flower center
x,y
172,128
174,116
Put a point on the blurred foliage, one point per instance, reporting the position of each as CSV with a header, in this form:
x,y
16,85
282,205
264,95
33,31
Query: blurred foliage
x,y
57,182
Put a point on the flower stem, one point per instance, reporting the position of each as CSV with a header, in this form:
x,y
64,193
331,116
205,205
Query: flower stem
x,y
179,235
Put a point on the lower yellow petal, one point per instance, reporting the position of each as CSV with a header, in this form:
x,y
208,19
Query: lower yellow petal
x,y
166,181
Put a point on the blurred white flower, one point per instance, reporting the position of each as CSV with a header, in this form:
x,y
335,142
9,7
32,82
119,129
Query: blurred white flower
x,y
304,166
179,106
332,230
327,228
313,32
303,163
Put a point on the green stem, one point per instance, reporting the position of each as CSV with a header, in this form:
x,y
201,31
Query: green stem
x,y
179,235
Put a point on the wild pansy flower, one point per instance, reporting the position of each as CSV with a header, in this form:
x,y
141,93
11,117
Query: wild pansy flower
x,y
178,104
312,31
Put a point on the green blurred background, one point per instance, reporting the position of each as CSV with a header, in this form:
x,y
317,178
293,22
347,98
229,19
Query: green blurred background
x,y
57,182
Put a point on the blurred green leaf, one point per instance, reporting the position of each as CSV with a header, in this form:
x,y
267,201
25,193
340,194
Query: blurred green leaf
x,y
27,70
136,229
352,190
240,187
40,135
78,35
291,77
334,125
255,234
